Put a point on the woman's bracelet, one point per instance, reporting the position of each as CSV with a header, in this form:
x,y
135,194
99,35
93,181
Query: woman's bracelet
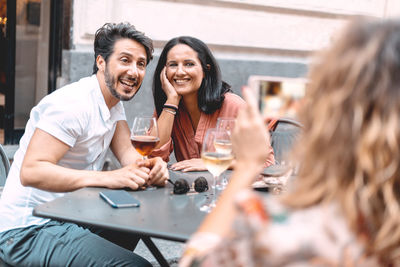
x,y
171,106
173,112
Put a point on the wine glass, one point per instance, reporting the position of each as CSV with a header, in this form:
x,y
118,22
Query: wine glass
x,y
144,136
225,123
276,176
216,157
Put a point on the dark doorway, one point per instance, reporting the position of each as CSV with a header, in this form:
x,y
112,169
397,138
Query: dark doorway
x,y
30,59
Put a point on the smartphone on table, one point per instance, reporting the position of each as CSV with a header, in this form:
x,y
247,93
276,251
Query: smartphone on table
x,y
119,198
278,96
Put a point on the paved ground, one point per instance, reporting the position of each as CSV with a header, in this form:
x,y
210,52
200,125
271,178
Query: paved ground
x,y
171,250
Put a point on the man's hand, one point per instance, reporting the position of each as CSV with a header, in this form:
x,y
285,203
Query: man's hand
x,y
158,175
189,165
133,176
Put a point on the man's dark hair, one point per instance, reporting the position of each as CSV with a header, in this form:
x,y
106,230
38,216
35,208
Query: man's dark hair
x,y
109,33
212,89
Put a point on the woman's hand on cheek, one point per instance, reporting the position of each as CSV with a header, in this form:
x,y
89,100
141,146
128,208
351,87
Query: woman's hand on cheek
x,y
172,96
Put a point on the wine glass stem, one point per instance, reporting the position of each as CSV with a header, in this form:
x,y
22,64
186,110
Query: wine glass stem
x,y
224,181
148,187
214,190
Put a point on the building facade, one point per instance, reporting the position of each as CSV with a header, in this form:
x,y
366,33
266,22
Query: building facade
x,y
49,43
248,37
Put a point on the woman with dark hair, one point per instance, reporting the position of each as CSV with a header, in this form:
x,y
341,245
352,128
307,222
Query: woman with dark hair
x,y
343,208
189,96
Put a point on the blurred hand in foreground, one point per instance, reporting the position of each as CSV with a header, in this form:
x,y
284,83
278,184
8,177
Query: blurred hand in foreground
x,y
250,138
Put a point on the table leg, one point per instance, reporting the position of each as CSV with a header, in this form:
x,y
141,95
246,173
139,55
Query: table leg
x,y
155,251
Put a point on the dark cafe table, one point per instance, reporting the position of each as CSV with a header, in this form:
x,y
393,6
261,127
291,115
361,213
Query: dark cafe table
x,y
161,213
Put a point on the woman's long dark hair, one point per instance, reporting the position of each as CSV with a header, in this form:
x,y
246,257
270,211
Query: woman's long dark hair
x,y
212,88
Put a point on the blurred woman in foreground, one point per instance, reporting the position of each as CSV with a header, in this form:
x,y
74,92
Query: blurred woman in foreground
x,y
344,207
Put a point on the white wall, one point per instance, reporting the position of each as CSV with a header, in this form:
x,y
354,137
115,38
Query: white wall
x,y
237,28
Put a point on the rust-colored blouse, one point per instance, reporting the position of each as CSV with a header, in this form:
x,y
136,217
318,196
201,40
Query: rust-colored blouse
x,y
187,143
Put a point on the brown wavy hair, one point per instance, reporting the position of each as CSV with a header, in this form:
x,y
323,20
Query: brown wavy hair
x,y
351,117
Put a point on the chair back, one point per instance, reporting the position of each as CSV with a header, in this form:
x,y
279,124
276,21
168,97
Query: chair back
x,y
283,136
4,166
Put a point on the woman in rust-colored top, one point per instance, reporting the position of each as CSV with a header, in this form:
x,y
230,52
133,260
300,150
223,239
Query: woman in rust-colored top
x,y
189,96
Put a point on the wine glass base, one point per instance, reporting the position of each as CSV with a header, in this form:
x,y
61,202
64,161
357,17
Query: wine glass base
x,y
207,208
220,187
150,188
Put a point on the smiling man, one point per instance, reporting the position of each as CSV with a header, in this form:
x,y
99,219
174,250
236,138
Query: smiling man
x,y
63,149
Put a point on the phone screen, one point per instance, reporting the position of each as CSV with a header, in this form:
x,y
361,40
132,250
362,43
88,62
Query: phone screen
x,y
119,198
278,96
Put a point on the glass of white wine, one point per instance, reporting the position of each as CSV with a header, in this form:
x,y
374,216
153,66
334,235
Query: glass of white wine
x,y
225,123
144,136
216,160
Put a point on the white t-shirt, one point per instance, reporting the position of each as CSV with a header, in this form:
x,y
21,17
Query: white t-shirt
x,y
78,116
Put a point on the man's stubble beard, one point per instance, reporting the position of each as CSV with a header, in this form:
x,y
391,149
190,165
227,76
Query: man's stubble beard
x,y
110,81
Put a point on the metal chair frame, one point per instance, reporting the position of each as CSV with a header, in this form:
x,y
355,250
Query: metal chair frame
x,y
284,136
4,166
4,169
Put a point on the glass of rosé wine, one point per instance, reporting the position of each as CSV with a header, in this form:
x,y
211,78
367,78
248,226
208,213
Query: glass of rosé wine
x,y
144,135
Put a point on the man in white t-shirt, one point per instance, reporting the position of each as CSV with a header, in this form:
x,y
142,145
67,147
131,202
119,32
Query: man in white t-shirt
x,y
63,149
